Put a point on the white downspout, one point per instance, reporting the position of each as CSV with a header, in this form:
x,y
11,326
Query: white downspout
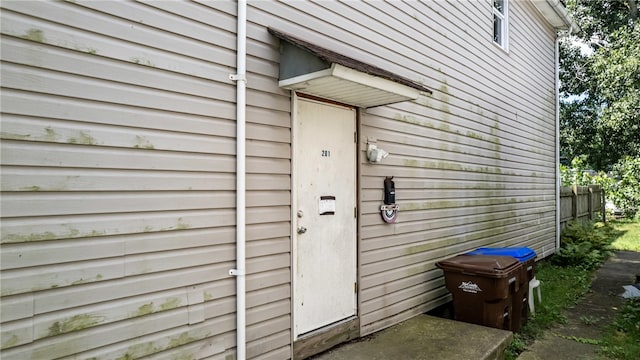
x,y
239,271
558,181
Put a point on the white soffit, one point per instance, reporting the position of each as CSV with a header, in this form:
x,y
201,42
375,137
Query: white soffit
x,y
555,13
350,86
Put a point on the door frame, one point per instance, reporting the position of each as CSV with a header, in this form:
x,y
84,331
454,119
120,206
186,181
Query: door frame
x,y
348,329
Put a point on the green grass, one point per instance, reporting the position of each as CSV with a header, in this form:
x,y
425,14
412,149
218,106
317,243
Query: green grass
x,y
630,239
622,339
563,286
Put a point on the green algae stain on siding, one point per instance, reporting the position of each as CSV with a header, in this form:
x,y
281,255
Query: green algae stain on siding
x,y
184,338
185,356
171,303
11,136
431,246
142,142
410,119
15,238
31,188
445,98
75,323
33,34
139,350
50,134
49,235
473,135
83,138
141,61
145,309
439,165
181,225
10,342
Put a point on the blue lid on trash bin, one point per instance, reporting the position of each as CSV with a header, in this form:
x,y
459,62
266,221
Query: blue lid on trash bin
x,y
521,253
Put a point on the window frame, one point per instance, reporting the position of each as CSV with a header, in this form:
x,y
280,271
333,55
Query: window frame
x,y
503,30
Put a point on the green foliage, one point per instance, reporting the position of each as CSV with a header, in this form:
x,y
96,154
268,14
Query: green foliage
x,y
621,185
583,245
622,338
625,193
600,88
590,320
599,18
517,346
581,254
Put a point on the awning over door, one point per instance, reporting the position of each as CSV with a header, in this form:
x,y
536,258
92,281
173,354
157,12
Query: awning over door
x,y
317,71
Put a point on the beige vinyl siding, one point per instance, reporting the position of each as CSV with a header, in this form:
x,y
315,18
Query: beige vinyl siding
x,y
473,163
118,183
118,166
469,171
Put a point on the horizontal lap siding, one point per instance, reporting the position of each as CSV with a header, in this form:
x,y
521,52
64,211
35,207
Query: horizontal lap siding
x,y
473,163
118,183
118,187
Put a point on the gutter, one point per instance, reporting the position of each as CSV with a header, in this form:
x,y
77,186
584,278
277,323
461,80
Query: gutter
x,y
241,83
556,14
562,13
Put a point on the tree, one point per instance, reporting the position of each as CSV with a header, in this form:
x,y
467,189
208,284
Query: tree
x,y
600,88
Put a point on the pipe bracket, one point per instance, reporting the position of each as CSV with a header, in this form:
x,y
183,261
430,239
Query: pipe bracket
x,y
236,272
237,77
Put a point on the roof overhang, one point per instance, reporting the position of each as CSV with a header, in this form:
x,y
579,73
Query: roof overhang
x,y
556,14
310,69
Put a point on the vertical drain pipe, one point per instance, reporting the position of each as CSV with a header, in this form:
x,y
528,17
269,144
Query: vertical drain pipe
x,y
239,271
558,182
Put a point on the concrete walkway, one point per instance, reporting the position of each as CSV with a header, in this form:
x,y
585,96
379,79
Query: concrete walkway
x,y
590,317
426,337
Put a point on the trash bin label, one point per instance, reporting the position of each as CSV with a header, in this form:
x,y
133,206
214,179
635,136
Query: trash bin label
x,y
469,286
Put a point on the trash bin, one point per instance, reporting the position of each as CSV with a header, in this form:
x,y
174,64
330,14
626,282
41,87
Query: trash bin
x,y
482,288
527,257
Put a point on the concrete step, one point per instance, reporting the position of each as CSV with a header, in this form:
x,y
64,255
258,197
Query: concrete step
x,y
426,337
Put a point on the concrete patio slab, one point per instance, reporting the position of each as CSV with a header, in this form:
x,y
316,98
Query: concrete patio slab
x,y
426,337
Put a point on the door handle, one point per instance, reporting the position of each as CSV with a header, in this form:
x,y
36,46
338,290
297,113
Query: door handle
x,y
302,230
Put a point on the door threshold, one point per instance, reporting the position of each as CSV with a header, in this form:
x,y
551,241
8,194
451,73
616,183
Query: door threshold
x,y
323,339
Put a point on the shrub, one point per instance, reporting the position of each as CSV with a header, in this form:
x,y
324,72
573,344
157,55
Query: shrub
x,y
583,245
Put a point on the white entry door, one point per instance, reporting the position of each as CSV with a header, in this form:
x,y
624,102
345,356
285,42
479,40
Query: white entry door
x,y
324,215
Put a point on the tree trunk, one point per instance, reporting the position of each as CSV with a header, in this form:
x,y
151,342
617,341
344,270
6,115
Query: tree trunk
x,y
633,9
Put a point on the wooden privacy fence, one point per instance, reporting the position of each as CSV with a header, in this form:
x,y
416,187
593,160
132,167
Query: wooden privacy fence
x,y
581,203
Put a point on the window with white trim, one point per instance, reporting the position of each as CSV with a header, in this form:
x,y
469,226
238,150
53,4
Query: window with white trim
x,y
501,23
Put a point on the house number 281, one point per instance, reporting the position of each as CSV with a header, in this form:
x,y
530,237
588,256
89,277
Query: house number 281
x,y
326,153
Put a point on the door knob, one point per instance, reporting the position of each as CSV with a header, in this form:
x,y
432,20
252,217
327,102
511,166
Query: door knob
x,y
302,230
